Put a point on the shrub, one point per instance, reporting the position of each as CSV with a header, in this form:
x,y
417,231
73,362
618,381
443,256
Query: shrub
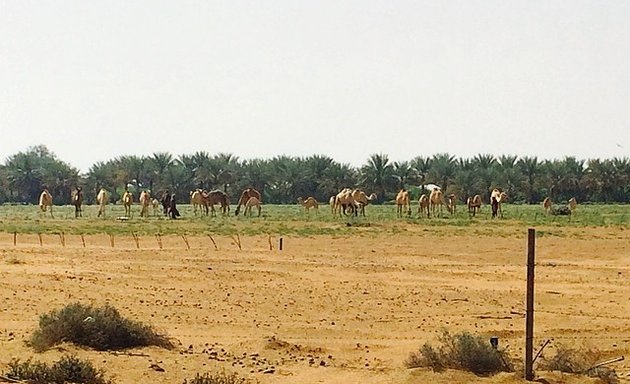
x,y
461,351
98,328
217,378
69,369
578,360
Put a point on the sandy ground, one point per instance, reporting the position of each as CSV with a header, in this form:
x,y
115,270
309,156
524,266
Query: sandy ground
x,y
324,309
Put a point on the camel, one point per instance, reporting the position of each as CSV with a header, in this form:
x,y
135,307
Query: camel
x,y
196,200
547,205
155,203
451,203
343,201
102,198
145,200
474,205
496,199
309,203
361,200
216,197
45,201
402,203
127,200
77,201
572,205
436,200
245,196
331,201
423,204
252,202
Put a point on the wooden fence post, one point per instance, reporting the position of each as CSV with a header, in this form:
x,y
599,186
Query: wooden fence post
x,y
529,318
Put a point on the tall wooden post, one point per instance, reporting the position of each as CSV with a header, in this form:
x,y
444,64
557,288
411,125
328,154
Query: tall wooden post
x,y
529,318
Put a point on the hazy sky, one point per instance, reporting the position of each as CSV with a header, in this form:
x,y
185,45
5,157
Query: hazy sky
x,y
94,80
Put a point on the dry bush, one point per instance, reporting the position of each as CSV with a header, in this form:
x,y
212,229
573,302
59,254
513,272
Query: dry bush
x,y
69,369
578,360
461,351
218,378
98,328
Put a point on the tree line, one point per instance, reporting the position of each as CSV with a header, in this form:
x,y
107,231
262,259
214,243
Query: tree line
x,y
283,178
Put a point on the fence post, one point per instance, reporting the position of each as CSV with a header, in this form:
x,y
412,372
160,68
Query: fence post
x,y
529,318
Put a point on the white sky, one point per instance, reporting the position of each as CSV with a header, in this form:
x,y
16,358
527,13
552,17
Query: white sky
x,y
94,80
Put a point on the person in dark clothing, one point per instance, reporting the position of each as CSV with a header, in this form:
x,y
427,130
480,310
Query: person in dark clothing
x,y
172,208
165,201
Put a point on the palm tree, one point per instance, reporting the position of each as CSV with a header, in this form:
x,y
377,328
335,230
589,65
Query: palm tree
x,y
422,166
509,175
443,169
485,172
530,168
159,165
378,175
404,174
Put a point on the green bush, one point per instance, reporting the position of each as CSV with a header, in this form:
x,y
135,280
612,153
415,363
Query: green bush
x,y
98,328
69,369
462,351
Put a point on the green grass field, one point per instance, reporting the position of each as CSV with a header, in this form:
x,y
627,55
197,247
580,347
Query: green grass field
x,y
291,219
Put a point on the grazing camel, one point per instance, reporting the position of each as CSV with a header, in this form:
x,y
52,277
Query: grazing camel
x,y
245,196
474,205
331,201
423,204
252,202
145,200
436,200
361,200
344,201
547,205
45,201
155,203
102,198
127,200
216,197
77,201
309,203
496,199
451,203
402,203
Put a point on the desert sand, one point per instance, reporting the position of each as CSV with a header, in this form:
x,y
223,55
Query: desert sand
x,y
325,309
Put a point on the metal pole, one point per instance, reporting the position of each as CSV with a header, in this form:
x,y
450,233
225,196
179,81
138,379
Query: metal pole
x,y
529,318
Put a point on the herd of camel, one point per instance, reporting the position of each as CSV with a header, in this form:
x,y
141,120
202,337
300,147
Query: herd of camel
x,y
347,202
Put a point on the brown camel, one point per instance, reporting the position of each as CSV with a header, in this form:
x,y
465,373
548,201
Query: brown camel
x,y
77,201
197,200
423,204
216,197
361,200
127,200
474,205
344,201
402,203
145,201
436,200
45,201
245,196
309,203
547,205
451,203
252,202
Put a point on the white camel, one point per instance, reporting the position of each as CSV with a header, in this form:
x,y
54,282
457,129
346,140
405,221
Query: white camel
x,y
102,198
